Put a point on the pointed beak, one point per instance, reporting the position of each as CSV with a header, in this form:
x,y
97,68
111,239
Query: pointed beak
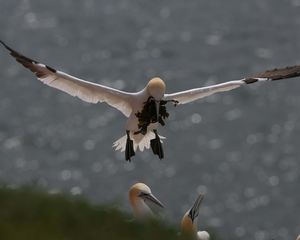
x,y
157,105
150,197
194,212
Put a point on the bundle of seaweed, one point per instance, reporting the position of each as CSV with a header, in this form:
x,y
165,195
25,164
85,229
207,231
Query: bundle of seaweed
x,y
148,114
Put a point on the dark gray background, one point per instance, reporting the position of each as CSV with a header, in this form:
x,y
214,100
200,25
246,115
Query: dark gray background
x,y
240,147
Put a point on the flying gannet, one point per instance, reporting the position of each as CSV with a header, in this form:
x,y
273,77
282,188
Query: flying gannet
x,y
190,220
139,195
145,109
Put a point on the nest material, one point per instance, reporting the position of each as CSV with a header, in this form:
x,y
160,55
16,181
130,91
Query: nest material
x,y
148,114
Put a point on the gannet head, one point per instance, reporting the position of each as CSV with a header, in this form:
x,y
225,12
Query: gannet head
x,y
190,219
139,194
156,88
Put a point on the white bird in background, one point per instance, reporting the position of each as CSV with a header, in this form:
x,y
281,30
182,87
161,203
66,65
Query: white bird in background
x,y
190,220
298,238
139,195
145,109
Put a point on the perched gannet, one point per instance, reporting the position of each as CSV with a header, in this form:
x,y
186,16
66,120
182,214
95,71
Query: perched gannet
x,y
139,194
190,219
145,109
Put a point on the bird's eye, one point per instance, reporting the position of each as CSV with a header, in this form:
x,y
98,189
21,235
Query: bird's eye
x,y
142,194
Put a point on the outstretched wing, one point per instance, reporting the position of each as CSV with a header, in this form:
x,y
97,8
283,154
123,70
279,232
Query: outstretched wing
x,y
197,93
87,91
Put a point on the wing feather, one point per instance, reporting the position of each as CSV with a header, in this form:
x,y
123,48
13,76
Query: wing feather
x,y
279,73
197,93
86,91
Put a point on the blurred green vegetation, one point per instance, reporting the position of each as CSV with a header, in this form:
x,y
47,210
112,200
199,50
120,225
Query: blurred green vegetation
x,y
30,214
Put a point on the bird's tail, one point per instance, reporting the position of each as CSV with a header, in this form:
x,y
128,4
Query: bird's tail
x,y
140,141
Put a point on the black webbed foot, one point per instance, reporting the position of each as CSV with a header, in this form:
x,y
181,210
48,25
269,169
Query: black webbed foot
x,y
156,146
129,151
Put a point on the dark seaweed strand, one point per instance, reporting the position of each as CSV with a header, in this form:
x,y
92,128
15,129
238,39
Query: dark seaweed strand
x,y
148,115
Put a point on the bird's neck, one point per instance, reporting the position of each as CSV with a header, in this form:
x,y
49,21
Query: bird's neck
x,y
140,208
188,226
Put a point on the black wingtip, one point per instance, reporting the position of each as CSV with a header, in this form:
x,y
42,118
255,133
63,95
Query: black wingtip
x,y
18,56
250,80
27,62
4,44
276,74
8,48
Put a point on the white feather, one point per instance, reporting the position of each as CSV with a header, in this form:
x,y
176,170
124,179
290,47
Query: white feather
x,y
197,93
203,235
139,141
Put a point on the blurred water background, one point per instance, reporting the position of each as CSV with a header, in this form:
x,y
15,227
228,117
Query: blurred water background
x,y
240,147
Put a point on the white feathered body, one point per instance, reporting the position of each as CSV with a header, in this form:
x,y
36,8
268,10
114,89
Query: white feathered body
x,y
140,141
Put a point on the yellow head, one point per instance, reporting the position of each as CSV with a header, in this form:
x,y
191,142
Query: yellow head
x,y
136,190
139,193
156,88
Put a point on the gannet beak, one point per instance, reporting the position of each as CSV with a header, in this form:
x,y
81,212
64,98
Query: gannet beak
x,y
151,198
194,212
157,105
